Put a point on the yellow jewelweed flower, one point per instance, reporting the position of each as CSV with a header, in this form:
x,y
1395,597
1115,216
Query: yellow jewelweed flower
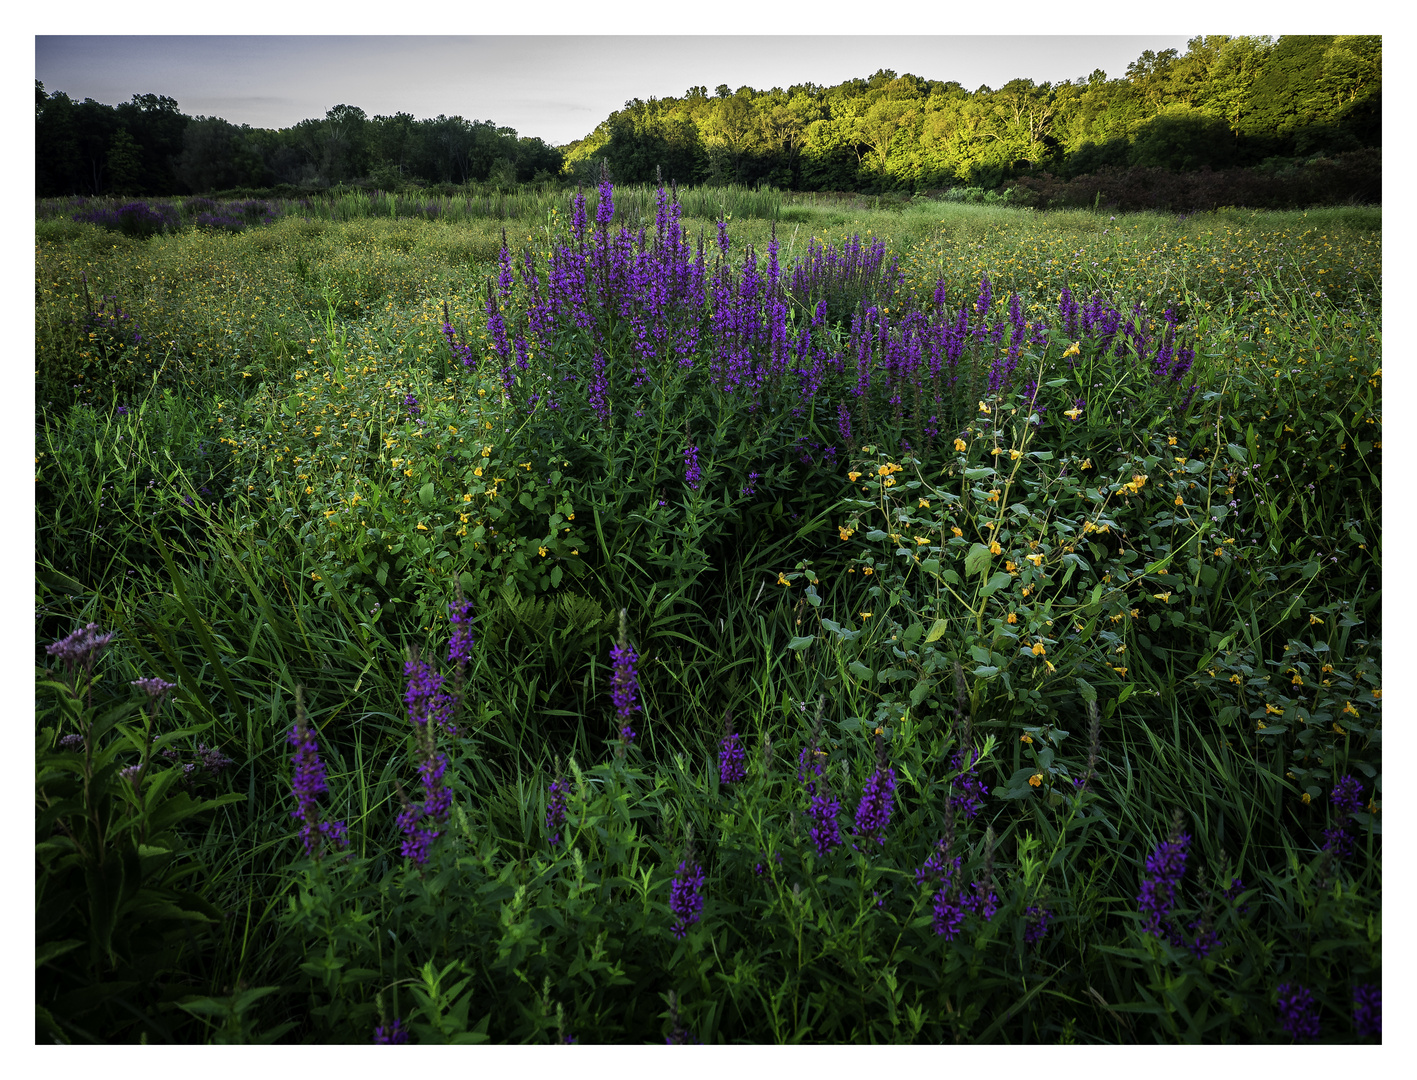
x,y
1314,620
1014,455
994,548
1012,618
956,530
541,551
1038,649
1349,709
922,539
1073,350
1338,730
853,476
844,532
1377,694
1180,501
960,445
1164,597
983,408
864,614
1273,710
1026,739
782,580
1036,780
1305,798
1073,414
422,527
1036,560
924,504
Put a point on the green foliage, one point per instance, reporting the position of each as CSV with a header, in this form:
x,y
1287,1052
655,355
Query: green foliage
x,y
1183,613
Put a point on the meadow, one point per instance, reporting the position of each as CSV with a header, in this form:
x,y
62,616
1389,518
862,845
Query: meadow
x,y
712,616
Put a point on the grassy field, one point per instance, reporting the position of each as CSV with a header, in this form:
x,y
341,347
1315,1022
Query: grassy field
x,y
788,620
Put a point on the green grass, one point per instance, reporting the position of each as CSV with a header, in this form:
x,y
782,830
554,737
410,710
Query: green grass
x,y
237,525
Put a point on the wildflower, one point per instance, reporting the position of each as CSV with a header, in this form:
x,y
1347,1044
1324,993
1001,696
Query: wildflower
x,y
873,812
1298,1013
994,548
732,767
691,467
1038,649
308,784
156,689
460,644
844,532
1368,1010
1012,618
983,408
1026,739
1036,780
956,530
960,445
685,900
1165,866
1314,620
1073,349
79,650
394,1033
556,810
1035,924
823,811
624,680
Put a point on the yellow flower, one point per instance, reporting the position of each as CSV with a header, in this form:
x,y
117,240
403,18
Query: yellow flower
x,y
1010,565
1297,681
1073,413
1074,349
924,504
1014,455
983,408
477,471
888,482
1170,440
1026,739
1377,694
959,445
1305,798
844,532
864,614
867,571
1349,709
782,580
467,498
956,530
1036,560
922,539
1164,597
996,451
1272,710
1012,618
1086,464
1180,501
1036,780
994,548
314,576
422,527
1038,649
1314,620
883,470
541,551
1338,730
526,465
853,476
1049,665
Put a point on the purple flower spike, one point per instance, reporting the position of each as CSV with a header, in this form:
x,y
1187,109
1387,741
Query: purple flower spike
x,y
1157,898
308,784
394,1033
873,812
556,810
155,688
1035,924
685,899
1368,1010
624,681
1298,1013
732,760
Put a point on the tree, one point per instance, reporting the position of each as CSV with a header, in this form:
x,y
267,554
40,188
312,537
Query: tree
x,y
125,163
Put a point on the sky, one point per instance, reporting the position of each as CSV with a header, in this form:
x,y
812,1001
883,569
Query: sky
x,y
554,87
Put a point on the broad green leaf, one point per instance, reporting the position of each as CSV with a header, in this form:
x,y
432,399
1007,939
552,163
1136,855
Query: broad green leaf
x,y
937,631
977,561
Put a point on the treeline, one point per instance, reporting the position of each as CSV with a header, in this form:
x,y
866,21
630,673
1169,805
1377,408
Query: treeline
x,y
1228,102
147,146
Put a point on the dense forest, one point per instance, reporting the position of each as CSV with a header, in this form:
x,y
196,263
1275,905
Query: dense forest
x,y
1226,103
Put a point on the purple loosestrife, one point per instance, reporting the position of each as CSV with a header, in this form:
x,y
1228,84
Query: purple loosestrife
x,y
425,697
873,812
732,760
395,1033
1298,1013
556,810
685,898
428,708
624,681
410,403
598,389
823,811
1157,898
1035,924
460,643
1346,799
308,784
691,467
1368,1010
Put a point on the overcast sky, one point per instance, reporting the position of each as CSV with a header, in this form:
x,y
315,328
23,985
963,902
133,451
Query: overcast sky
x,y
557,88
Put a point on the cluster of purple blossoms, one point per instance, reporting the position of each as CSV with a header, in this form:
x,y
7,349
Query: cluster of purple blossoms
x,y
308,784
691,467
823,811
873,812
556,810
1368,1010
1035,924
426,700
393,1034
624,681
460,643
79,650
1157,898
685,897
155,688
1298,1012
410,404
952,902
969,789
428,709
1346,799
732,760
